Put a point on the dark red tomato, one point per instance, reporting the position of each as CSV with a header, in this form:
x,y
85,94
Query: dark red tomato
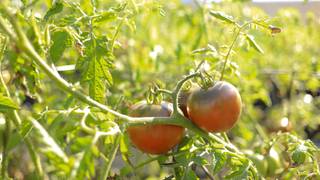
x,y
216,109
154,139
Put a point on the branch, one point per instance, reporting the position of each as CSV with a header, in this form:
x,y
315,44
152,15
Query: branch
x,y
177,89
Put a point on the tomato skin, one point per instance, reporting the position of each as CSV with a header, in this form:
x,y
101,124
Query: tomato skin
x,y
216,109
154,139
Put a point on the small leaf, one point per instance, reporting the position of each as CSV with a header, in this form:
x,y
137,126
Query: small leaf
x,y
106,16
7,104
222,16
49,141
55,9
253,43
25,128
299,155
61,40
190,174
219,159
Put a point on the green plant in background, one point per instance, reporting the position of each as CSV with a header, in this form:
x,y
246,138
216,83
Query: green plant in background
x,y
71,70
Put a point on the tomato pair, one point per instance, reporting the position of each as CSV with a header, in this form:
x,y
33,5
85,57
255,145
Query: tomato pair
x,y
215,109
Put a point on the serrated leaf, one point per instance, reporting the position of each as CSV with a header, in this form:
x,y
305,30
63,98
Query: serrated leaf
x,y
106,16
61,40
7,104
95,68
219,159
254,44
299,155
49,141
55,9
222,16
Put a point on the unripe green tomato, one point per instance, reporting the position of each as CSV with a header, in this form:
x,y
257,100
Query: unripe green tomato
x,y
273,162
259,161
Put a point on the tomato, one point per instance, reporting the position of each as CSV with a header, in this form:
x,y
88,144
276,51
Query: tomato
x,y
273,161
216,109
258,160
154,139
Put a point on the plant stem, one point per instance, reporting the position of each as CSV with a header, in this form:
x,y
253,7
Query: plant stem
x,y
5,141
229,52
233,44
107,166
17,122
177,89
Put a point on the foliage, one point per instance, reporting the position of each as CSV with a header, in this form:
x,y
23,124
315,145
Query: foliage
x,y
61,61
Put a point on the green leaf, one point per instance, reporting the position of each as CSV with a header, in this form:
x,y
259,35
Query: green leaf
x,y
254,44
222,16
106,16
61,40
25,128
55,9
95,68
219,159
299,155
86,165
190,175
7,104
49,141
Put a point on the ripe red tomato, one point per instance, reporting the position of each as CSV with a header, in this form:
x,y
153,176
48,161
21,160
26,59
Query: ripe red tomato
x,y
154,139
216,109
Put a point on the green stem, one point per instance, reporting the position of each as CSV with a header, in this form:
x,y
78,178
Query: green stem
x,y
177,89
17,122
6,136
229,52
232,45
225,137
107,166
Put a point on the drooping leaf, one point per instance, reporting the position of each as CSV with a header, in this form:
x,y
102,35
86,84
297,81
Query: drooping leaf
x,y
55,9
6,104
61,40
253,43
222,16
49,141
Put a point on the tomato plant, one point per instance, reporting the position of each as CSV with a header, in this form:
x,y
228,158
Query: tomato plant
x,y
154,139
215,109
71,70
